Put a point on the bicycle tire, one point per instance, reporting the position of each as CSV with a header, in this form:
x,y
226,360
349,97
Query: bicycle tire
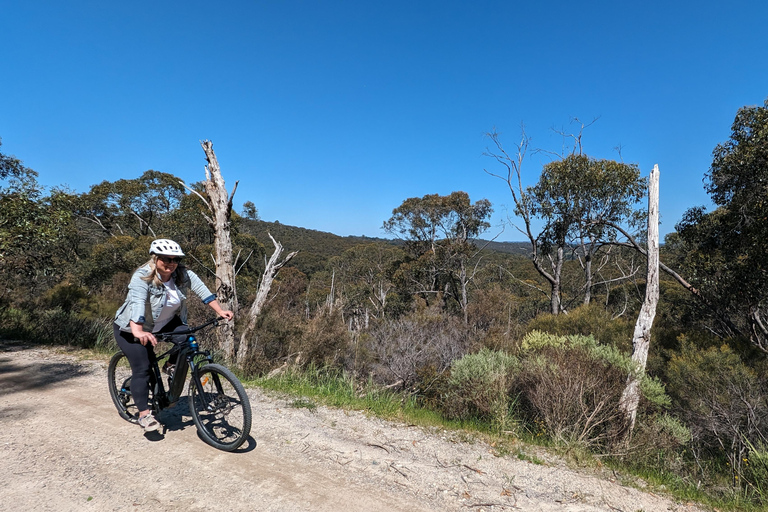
x,y
119,377
222,414
119,380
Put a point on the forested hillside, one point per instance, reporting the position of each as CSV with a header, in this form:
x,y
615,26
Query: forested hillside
x,y
528,339
316,247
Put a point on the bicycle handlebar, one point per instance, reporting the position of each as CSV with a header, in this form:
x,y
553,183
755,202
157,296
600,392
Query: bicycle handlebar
x,y
167,336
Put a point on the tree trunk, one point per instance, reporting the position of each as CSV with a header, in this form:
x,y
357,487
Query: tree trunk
x,y
271,270
641,338
464,301
221,207
557,270
587,277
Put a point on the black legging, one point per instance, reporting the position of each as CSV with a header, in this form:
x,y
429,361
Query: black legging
x,y
139,356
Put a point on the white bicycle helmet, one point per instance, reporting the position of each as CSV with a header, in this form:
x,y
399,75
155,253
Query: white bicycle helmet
x,y
165,247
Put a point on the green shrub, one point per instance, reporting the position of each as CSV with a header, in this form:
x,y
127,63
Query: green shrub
x,y
572,393
659,442
61,327
722,400
480,387
536,340
15,323
756,471
588,320
653,390
58,327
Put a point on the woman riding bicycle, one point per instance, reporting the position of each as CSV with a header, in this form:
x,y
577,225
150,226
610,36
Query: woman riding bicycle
x,y
156,303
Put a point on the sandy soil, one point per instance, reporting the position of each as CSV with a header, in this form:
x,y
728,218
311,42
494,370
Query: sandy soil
x,y
63,447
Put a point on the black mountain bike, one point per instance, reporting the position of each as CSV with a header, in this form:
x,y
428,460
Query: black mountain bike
x,y
218,402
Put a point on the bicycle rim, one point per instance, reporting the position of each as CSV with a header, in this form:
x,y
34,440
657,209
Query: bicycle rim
x,y
222,412
119,376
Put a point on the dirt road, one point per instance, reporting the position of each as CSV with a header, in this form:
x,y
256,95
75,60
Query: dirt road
x,y
63,447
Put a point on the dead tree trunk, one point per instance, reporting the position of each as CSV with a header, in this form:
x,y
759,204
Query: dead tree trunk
x,y
220,204
271,270
641,338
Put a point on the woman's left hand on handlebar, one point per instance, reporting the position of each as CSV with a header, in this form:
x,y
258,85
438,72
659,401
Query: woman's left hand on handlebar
x,y
214,305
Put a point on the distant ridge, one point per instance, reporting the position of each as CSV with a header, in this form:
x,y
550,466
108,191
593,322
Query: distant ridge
x,y
519,248
303,239
316,247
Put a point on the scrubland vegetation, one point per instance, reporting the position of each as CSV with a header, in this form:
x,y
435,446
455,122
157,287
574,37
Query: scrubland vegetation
x,y
526,341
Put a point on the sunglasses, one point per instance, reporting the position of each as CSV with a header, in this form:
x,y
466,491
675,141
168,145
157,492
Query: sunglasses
x,y
167,260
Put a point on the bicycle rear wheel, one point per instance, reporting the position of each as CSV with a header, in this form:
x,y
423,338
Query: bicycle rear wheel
x,y
222,412
119,376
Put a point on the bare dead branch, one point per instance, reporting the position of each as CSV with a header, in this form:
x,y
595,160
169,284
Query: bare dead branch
x,y
244,262
213,272
273,266
207,203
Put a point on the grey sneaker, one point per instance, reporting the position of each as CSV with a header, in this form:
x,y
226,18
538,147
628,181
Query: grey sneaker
x,y
149,423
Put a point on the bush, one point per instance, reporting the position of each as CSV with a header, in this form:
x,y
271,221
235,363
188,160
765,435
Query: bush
x,y
658,442
59,327
15,323
403,349
324,341
588,320
723,402
272,342
480,387
571,386
756,471
495,314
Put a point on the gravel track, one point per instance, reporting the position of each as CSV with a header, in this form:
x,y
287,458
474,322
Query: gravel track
x,y
63,447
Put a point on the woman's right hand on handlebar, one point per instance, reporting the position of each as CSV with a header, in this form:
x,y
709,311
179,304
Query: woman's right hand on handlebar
x,y
142,336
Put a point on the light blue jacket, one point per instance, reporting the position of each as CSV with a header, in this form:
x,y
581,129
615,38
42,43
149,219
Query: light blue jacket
x,y
145,300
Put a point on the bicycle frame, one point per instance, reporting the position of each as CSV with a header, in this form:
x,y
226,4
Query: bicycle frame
x,y
188,358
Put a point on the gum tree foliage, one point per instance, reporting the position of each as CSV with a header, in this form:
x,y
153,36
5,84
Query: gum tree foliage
x,y
34,228
249,211
364,279
725,252
438,232
133,207
578,198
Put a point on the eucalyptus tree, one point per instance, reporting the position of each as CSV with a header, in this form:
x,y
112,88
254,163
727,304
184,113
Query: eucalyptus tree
x,y
134,207
438,232
249,211
35,229
364,276
726,251
579,200
548,246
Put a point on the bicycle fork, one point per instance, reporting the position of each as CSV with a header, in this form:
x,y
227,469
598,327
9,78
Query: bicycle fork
x,y
201,383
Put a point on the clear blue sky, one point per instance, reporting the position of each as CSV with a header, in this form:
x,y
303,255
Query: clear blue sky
x,y
331,113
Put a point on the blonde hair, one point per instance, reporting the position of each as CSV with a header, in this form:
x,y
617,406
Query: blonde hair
x,y
153,277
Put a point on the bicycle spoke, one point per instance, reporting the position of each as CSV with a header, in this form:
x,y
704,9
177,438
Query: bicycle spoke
x,y
222,412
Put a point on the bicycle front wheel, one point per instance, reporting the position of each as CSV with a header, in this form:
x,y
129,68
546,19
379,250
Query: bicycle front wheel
x,y
222,412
